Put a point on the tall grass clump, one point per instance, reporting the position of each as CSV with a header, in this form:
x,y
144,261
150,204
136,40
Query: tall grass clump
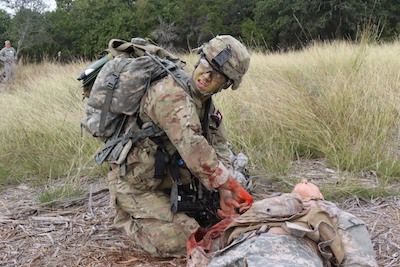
x,y
337,101
40,135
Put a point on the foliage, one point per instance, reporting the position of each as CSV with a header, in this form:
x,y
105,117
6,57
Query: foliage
x,y
30,29
17,5
82,28
88,27
5,21
296,23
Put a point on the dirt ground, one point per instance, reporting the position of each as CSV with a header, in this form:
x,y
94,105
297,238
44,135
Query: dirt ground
x,y
79,232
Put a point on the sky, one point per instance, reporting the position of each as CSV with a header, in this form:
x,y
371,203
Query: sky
x,y
50,3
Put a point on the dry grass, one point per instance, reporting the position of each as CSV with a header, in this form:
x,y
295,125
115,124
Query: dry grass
x,y
382,216
79,232
40,125
337,101
333,101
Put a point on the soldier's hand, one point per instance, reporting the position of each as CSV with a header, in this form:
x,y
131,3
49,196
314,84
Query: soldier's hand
x,y
239,197
227,203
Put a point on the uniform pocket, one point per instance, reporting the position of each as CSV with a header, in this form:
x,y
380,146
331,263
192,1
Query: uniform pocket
x,y
146,205
140,166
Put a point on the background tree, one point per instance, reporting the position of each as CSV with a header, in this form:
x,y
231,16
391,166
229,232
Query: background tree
x,y
16,5
293,23
387,14
82,28
5,22
166,35
64,4
28,27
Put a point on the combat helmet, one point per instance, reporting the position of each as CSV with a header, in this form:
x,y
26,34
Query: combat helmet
x,y
229,56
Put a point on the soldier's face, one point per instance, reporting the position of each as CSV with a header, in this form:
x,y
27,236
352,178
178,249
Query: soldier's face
x,y
206,78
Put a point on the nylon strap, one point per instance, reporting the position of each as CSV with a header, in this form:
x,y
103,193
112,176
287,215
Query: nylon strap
x,y
175,76
174,170
112,82
204,121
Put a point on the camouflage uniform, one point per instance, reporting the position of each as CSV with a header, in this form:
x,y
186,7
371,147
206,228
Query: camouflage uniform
x,y
270,250
8,56
143,209
260,242
142,201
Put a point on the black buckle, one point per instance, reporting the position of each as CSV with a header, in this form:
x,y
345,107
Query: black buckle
x,y
112,81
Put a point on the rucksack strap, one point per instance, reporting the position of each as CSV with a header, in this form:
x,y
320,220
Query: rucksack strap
x,y
111,83
101,156
174,170
177,73
115,144
204,121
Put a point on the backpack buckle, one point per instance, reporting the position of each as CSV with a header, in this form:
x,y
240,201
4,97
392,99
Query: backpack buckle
x,y
112,81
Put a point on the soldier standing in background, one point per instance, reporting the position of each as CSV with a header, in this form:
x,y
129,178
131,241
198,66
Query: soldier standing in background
x,y
9,57
59,59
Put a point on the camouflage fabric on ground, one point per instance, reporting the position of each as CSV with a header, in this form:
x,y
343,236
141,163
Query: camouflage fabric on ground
x,y
269,250
261,242
358,247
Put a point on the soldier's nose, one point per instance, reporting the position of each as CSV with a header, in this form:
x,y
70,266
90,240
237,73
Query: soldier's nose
x,y
208,75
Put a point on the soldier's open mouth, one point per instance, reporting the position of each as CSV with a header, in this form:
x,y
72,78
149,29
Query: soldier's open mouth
x,y
201,84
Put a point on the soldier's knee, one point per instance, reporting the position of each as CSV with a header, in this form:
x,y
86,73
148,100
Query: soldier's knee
x,y
160,239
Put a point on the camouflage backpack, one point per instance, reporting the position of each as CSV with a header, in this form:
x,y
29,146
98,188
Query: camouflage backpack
x,y
114,86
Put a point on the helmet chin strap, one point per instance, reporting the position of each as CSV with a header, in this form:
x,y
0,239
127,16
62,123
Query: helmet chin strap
x,y
219,89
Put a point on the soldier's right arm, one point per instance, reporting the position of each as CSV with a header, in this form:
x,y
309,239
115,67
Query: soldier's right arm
x,y
171,108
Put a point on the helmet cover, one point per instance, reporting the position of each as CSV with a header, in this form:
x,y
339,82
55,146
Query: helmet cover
x,y
229,56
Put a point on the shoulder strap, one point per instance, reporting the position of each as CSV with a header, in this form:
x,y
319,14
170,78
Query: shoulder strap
x,y
112,81
175,73
205,120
